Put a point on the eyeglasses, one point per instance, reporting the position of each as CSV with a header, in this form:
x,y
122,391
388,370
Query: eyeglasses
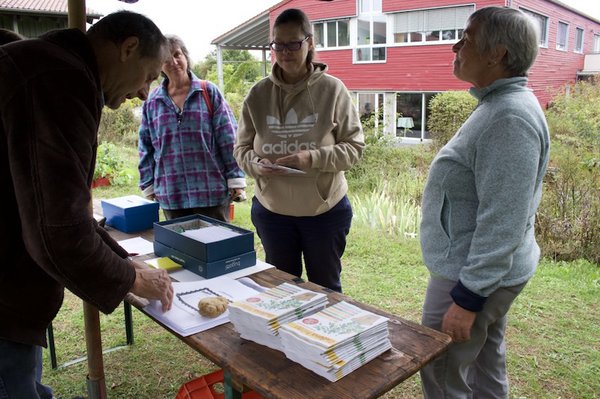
x,y
292,46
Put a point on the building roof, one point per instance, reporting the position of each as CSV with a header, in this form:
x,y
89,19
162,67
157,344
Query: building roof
x,y
254,33
46,7
250,35
568,7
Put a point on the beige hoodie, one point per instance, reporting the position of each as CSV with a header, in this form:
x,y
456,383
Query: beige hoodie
x,y
279,119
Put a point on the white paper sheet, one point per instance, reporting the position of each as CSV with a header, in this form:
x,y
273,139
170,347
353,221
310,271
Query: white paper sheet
x,y
210,234
137,245
185,320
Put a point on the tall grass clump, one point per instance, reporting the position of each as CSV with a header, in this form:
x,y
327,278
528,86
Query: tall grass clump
x,y
386,186
399,216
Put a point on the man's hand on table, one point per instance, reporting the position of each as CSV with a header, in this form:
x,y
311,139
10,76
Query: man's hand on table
x,y
153,284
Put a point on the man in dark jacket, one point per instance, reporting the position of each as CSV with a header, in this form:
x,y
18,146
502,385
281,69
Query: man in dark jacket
x,y
52,93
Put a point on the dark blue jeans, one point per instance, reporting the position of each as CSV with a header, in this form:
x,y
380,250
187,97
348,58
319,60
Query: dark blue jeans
x,y
320,239
21,371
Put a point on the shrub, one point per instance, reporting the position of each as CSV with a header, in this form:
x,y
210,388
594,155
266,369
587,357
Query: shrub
x,y
448,111
575,113
120,125
568,220
110,164
403,168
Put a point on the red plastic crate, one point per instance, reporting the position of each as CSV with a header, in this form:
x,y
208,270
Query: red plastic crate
x,y
204,388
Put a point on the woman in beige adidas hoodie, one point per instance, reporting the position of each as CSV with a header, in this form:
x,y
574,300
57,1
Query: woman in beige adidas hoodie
x,y
302,118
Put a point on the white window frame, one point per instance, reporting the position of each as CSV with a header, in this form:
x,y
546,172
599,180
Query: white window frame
x,y
596,48
579,34
378,106
372,13
325,24
424,19
560,46
423,120
537,18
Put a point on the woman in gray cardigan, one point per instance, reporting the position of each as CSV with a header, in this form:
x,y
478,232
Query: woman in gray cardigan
x,y
479,204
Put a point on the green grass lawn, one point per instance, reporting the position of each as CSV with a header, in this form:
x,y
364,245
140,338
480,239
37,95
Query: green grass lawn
x,y
553,339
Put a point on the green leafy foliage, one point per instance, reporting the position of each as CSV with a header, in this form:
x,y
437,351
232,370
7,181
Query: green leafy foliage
x,y
568,222
401,169
240,71
449,110
110,164
121,125
574,113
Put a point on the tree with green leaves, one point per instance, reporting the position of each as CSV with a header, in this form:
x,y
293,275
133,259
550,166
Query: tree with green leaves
x,y
240,71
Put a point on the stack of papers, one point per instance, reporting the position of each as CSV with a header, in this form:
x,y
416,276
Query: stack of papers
x,y
337,340
259,317
183,318
210,234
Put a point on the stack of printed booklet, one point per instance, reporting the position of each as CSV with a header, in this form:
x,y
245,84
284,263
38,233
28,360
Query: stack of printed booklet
x,y
331,341
337,340
259,317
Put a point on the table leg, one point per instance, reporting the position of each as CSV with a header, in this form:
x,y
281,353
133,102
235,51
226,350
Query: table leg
x,y
95,380
231,392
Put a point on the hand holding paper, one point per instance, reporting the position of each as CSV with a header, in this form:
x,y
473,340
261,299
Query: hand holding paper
x,y
276,169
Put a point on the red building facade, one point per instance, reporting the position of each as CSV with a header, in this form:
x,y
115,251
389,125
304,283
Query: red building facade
x,y
394,55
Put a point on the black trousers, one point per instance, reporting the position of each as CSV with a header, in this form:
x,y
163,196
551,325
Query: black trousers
x,y
320,239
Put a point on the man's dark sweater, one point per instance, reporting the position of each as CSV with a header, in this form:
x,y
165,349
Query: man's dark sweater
x,y
50,107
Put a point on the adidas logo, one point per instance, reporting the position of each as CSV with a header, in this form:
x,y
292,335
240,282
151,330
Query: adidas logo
x,y
285,147
291,127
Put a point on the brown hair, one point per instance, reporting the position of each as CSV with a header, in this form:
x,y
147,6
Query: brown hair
x,y
297,17
173,42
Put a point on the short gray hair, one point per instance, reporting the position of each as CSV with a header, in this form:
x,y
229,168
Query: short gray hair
x,y
511,28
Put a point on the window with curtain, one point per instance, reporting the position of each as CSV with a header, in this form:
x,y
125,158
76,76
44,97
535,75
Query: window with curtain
x,y
410,109
331,34
562,35
596,48
541,22
579,40
435,25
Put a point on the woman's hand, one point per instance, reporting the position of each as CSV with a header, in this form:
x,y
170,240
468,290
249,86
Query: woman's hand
x,y
458,322
237,194
266,171
300,160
